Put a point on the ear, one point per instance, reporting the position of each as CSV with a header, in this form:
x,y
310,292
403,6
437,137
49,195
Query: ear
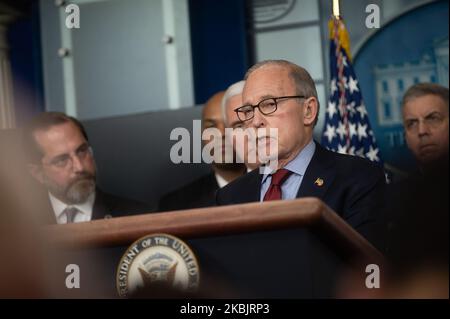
x,y
310,111
36,171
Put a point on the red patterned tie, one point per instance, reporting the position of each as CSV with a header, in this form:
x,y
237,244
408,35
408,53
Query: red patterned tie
x,y
278,178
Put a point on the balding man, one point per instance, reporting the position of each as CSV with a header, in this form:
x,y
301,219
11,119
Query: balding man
x,y
201,192
293,263
281,95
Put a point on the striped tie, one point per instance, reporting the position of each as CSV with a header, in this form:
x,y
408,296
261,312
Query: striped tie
x,y
70,213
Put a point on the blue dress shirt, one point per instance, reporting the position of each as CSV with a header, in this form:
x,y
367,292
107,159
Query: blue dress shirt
x,y
297,166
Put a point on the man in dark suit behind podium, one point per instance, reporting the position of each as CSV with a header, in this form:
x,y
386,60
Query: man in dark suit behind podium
x,y
60,159
297,262
279,94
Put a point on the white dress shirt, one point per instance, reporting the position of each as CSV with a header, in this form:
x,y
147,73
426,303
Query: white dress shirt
x,y
85,209
220,180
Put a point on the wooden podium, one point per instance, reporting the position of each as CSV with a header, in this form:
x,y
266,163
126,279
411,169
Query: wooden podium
x,y
286,249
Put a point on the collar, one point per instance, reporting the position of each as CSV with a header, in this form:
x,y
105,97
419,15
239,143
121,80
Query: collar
x,y
59,206
300,163
220,180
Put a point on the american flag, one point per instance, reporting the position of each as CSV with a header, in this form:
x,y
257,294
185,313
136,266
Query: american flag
x,y
347,129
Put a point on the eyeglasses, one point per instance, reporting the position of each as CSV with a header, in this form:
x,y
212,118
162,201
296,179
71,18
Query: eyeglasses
x,y
266,107
65,161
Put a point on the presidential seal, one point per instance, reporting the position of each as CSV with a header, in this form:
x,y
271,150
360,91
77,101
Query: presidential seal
x,y
157,260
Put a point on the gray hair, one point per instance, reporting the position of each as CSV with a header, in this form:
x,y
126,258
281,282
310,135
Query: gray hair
x,y
44,121
304,83
422,89
233,90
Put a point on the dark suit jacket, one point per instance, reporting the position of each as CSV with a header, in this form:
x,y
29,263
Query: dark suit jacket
x,y
417,220
200,193
352,187
108,205
294,263
97,264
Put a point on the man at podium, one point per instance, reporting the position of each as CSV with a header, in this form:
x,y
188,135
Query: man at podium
x,y
279,94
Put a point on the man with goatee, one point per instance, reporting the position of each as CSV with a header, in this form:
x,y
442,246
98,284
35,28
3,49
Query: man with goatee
x,y
60,158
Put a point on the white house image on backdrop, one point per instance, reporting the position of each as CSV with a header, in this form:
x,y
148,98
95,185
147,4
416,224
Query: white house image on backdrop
x,y
392,80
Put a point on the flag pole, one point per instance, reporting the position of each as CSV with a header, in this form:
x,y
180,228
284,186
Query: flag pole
x,y
336,11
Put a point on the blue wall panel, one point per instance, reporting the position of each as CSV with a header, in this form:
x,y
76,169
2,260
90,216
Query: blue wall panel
x,y
219,48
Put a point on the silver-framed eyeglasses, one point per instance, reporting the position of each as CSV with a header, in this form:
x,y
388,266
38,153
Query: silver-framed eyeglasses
x,y
65,161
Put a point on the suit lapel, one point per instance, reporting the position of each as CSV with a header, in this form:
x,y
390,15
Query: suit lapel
x,y
251,190
100,209
211,183
208,189
49,213
319,175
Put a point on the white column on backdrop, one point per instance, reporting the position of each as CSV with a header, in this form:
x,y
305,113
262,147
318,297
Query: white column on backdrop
x,y
7,115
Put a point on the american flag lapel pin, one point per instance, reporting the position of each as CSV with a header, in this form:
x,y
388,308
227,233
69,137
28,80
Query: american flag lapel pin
x,y
319,182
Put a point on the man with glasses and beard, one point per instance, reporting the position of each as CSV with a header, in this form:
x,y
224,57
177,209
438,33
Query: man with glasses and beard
x,y
60,158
